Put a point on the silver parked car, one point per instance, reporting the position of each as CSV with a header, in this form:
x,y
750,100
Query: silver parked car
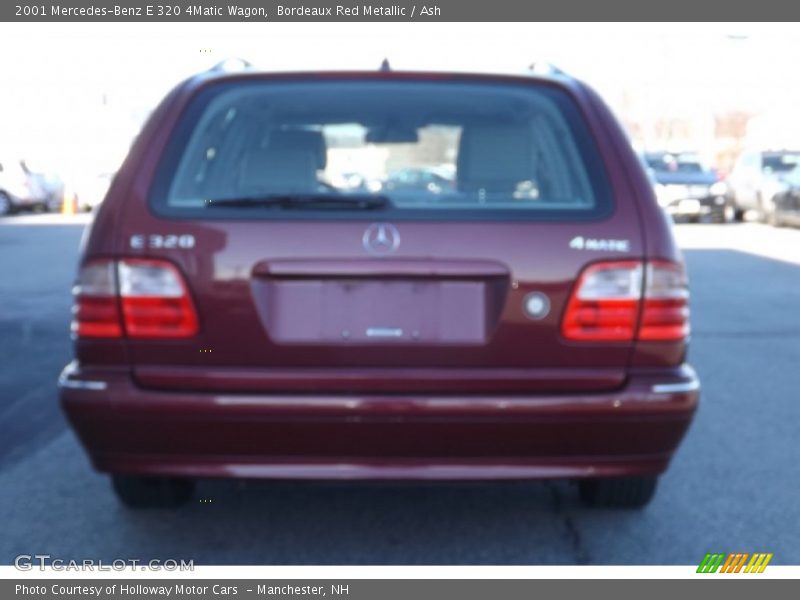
x,y
757,177
20,189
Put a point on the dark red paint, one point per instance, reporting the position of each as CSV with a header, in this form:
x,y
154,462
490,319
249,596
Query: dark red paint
x,y
251,396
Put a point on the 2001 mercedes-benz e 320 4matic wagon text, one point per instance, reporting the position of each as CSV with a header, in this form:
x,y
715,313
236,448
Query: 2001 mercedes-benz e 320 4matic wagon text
x,y
380,275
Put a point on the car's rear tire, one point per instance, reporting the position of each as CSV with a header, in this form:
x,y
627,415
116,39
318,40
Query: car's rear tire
x,y
618,492
6,206
738,212
726,214
152,492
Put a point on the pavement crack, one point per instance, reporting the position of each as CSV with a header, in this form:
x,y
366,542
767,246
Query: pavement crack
x,y
579,550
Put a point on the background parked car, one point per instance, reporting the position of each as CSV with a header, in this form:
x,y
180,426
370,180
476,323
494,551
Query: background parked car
x,y
686,187
19,190
50,185
756,178
787,201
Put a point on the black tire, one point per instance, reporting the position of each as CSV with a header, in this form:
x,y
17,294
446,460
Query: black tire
x,y
738,213
152,492
619,492
726,214
6,206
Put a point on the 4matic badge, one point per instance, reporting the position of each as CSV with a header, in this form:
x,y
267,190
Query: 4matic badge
x,y
599,245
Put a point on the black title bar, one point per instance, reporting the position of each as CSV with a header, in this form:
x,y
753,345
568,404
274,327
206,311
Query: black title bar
x,y
395,10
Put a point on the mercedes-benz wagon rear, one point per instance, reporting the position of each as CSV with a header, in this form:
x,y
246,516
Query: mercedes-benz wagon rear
x,y
380,275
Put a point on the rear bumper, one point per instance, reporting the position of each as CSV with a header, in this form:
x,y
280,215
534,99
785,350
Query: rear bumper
x,y
632,431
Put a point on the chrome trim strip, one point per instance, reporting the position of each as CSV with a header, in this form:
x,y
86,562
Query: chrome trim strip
x,y
384,332
672,388
77,384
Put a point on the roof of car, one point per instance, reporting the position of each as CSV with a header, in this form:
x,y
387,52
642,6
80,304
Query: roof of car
x,y
248,73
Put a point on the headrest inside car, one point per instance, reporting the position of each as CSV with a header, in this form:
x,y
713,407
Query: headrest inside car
x,y
494,157
313,141
288,163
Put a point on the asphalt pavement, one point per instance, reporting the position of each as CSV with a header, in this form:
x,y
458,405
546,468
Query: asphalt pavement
x,y
734,486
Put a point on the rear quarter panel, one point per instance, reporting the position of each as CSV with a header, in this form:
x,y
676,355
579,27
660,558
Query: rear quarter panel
x,y
656,226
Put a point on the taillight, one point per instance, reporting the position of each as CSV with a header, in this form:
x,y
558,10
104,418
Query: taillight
x,y
96,312
608,298
604,305
151,294
665,314
155,301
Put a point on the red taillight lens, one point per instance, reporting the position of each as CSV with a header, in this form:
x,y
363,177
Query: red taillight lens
x,y
96,313
153,297
665,314
155,301
606,303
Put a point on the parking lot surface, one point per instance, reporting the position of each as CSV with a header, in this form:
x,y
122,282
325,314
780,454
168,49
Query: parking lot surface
x,y
733,487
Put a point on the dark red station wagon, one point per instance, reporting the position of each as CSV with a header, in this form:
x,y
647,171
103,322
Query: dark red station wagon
x,y
380,275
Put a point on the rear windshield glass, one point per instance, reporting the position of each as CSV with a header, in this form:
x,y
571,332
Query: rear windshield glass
x,y
406,149
781,163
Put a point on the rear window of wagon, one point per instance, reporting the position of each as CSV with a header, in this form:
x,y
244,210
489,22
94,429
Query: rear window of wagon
x,y
431,150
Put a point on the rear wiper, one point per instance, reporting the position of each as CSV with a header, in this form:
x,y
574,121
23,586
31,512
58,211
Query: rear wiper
x,y
311,201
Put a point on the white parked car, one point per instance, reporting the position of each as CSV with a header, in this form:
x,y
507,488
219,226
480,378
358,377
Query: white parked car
x,y
19,190
757,177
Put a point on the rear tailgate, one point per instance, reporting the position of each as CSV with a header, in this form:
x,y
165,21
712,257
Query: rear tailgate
x,y
303,317
304,306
